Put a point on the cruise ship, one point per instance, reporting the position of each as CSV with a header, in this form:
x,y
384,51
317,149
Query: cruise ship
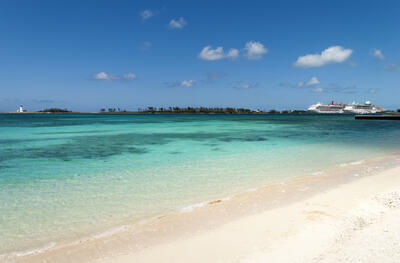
x,y
353,108
367,108
327,108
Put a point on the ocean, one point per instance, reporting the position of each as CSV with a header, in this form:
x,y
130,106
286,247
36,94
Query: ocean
x,y
69,176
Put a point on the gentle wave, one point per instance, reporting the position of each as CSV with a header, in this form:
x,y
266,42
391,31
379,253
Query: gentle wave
x,y
351,163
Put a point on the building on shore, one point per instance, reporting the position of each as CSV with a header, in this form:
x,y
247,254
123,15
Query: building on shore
x,y
21,109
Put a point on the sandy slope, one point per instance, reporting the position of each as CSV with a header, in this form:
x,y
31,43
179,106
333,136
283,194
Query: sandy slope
x,y
355,222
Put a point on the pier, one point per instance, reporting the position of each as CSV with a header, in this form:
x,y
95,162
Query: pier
x,y
378,117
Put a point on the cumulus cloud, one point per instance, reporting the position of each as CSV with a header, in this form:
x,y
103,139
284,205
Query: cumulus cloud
x,y
377,54
312,82
101,75
318,90
177,24
183,83
233,53
146,14
334,54
255,50
130,76
207,53
105,76
243,86
187,83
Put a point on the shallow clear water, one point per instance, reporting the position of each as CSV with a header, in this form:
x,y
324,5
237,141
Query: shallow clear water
x,y
64,176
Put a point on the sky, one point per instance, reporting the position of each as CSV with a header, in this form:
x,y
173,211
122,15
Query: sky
x,y
87,55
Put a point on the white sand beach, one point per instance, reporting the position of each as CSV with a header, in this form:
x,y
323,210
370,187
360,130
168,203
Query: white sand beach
x,y
356,222
348,216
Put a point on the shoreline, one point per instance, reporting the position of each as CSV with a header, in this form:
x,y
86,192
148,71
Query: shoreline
x,y
203,217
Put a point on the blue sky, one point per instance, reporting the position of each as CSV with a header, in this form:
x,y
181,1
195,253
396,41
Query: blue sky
x,y
85,55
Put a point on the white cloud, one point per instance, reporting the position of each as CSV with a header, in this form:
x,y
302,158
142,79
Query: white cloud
x,y
101,75
105,76
243,86
318,90
130,76
177,24
207,53
212,54
313,81
334,54
255,50
146,14
233,53
377,53
188,83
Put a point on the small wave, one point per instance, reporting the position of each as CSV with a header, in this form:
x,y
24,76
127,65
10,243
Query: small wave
x,y
317,173
351,163
357,162
108,232
190,208
35,251
52,245
226,198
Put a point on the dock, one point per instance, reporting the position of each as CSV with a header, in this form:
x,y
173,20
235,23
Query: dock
x,y
378,117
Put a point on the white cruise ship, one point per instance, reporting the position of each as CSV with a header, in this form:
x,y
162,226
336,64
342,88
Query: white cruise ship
x,y
353,108
327,108
367,108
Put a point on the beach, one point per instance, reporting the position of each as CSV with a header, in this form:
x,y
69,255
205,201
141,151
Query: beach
x,y
109,188
348,215
199,131
356,222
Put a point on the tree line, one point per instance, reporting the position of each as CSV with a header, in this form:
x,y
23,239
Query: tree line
x,y
204,110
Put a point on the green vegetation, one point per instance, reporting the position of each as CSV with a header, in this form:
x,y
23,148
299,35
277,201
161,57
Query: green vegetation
x,y
204,110
198,110
55,110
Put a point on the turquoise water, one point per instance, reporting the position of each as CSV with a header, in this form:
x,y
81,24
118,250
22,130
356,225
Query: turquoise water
x,y
67,176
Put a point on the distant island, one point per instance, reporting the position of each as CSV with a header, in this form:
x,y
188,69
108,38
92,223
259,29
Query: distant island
x,y
196,110
167,110
55,110
177,110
